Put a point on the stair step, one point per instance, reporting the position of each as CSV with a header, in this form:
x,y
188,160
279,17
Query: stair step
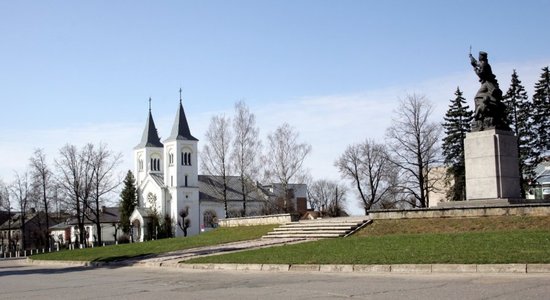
x,y
317,223
328,228
307,232
320,235
315,228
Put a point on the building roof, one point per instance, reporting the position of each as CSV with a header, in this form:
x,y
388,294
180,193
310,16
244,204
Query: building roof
x,y
180,129
211,188
542,172
106,215
30,218
145,212
150,137
4,216
60,226
158,178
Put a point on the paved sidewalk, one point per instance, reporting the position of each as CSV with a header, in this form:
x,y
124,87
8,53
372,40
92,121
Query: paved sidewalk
x,y
177,256
174,257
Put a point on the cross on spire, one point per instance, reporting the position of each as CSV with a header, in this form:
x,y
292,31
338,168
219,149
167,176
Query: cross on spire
x,y
180,95
149,104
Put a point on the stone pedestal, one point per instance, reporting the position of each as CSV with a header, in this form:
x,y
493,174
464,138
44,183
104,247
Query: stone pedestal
x,y
492,169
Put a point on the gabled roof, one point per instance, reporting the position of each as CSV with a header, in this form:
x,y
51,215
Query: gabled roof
x,y
150,137
211,189
180,129
31,218
106,215
145,212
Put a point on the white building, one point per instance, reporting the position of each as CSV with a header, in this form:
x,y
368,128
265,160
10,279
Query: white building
x,y
168,182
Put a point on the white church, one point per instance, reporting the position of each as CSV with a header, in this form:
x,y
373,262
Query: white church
x,y
168,182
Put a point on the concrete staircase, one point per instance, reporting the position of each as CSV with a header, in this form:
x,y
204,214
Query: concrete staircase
x,y
320,228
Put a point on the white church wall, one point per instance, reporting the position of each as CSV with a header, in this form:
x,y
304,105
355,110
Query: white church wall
x,y
186,198
151,195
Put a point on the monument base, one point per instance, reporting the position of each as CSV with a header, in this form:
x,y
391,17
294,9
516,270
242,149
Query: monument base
x,y
492,168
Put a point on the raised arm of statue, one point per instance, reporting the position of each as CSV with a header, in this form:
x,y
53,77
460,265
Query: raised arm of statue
x,y
473,61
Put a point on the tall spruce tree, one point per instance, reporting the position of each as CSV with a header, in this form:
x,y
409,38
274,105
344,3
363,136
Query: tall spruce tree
x,y
457,123
519,117
541,116
128,201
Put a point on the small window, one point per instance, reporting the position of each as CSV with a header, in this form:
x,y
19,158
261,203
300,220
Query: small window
x,y
209,219
171,159
185,180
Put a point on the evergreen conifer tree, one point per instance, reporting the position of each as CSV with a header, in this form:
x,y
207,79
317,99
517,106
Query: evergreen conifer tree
x,y
541,116
128,201
519,117
457,123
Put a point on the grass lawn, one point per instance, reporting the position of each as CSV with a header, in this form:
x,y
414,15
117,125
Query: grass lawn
x,y
419,241
125,251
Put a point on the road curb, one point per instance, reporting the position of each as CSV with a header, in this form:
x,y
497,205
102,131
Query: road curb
x,y
365,269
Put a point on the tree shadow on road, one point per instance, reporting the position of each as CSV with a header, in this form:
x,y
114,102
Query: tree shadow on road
x,y
28,269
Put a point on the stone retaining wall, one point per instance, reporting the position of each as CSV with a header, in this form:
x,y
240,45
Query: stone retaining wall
x,y
457,212
259,220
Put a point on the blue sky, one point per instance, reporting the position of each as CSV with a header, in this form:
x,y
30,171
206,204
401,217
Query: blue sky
x,y
82,71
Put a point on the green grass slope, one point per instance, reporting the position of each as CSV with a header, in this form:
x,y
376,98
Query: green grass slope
x,y
126,251
419,241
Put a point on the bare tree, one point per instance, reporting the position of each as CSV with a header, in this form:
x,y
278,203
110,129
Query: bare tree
x,y
215,154
21,190
368,166
185,222
6,203
104,164
413,142
328,197
75,179
246,149
42,181
284,160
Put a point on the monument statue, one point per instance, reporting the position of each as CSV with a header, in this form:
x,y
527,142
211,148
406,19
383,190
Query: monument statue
x,y
490,111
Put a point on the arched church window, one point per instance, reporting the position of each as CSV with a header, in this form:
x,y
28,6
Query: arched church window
x,y
185,157
171,159
155,164
140,164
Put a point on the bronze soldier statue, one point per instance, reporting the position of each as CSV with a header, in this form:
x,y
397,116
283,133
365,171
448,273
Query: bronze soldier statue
x,y
490,112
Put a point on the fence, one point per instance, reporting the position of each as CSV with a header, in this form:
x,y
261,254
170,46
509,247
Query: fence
x,y
25,253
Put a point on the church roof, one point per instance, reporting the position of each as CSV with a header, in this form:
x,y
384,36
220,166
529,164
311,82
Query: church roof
x,y
211,189
180,129
150,137
158,178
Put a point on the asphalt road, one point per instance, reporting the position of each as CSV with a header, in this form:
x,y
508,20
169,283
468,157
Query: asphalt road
x,y
21,281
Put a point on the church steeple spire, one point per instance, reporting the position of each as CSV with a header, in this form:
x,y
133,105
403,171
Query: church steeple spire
x,y
150,137
180,129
